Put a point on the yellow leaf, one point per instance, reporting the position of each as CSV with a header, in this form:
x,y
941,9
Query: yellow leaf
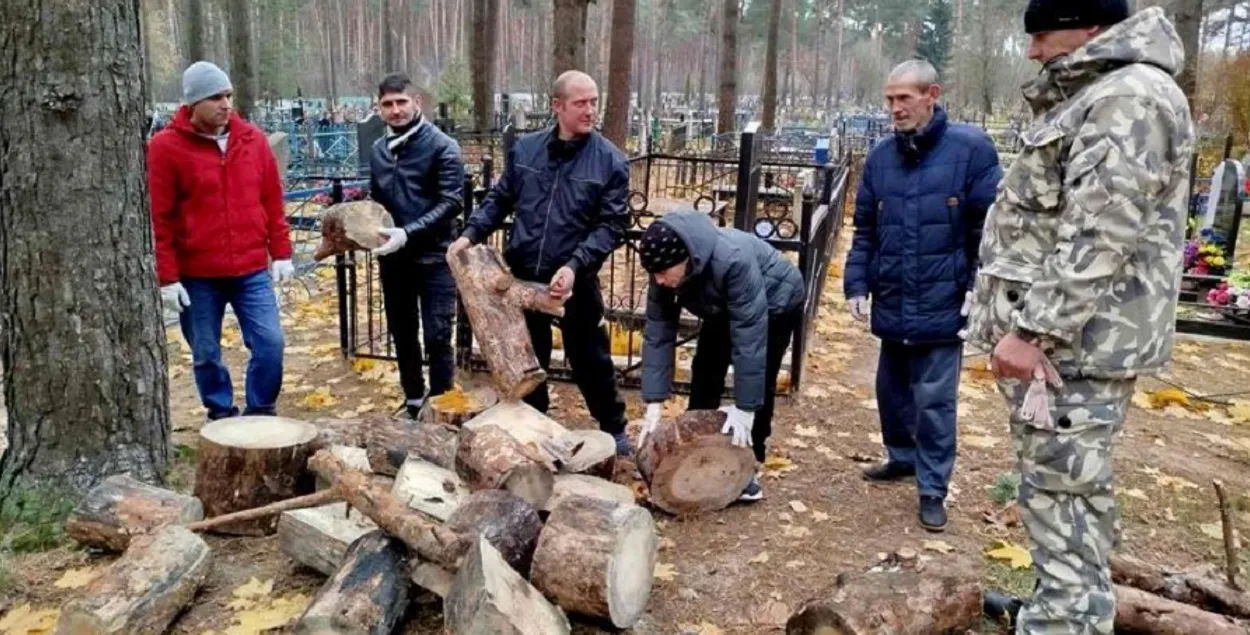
x,y
1018,557
361,365
1239,412
24,620
319,399
776,465
1161,399
76,578
665,572
272,614
938,546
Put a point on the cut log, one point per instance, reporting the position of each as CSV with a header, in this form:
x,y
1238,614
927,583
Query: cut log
x,y
489,598
1203,591
121,507
428,539
524,422
490,458
892,602
390,441
432,578
510,524
348,432
1139,612
456,407
367,595
568,485
352,226
250,462
318,538
690,467
590,452
429,488
597,558
144,590
495,302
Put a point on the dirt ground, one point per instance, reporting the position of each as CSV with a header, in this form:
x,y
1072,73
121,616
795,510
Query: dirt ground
x,y
746,569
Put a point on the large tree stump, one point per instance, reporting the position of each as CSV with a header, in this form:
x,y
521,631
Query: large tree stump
x,y
490,458
367,595
144,590
248,462
489,598
318,538
597,558
569,485
1139,612
121,507
455,407
893,602
510,524
1203,591
389,442
495,302
429,488
690,467
352,226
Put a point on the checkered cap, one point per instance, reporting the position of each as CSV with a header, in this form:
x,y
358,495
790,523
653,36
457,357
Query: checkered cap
x,y
661,248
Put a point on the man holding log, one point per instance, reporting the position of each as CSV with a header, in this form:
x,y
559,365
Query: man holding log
x,y
566,190
751,302
415,172
1078,286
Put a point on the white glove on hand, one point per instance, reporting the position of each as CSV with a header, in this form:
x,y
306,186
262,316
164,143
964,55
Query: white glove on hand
x,y
282,271
859,308
175,297
395,237
649,422
967,307
738,425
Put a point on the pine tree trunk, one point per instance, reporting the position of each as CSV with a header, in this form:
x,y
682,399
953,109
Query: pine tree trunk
x,y
569,27
194,16
620,66
486,34
242,57
1187,15
79,309
657,79
770,67
390,44
727,100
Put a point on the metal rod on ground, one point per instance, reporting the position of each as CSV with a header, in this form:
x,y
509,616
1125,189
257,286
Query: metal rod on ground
x,y
324,497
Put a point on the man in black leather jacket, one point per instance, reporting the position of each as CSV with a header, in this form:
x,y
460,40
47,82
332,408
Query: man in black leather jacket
x,y
566,188
415,172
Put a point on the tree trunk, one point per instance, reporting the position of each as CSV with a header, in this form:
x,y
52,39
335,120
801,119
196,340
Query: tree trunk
x,y
793,59
485,47
1187,16
79,310
1139,612
1205,592
390,36
620,67
242,57
657,69
568,27
897,602
770,67
596,558
194,17
120,508
458,407
489,598
367,595
690,467
727,100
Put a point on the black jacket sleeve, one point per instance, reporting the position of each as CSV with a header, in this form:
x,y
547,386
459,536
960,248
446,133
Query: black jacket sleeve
x,y
498,205
609,232
450,188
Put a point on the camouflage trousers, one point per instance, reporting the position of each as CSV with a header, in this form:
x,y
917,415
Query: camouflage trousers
x,y
1067,504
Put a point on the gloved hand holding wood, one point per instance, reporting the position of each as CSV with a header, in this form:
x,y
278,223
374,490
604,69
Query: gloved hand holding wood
x,y
355,225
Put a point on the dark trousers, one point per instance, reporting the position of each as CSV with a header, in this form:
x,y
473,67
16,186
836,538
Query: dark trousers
x,y
588,352
711,362
917,395
423,291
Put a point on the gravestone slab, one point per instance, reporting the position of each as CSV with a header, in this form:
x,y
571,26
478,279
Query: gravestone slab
x,y
367,132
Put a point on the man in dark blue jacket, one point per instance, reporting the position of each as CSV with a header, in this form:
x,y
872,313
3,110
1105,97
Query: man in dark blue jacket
x,y
565,188
415,172
918,218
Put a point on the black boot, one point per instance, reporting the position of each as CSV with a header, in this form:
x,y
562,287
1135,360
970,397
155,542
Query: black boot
x,y
1001,609
932,514
889,471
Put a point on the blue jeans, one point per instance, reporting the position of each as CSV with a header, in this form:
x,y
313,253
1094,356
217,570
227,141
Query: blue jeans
x,y
254,305
917,396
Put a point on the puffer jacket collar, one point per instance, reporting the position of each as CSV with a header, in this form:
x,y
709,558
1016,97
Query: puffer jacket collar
x,y
240,131
914,145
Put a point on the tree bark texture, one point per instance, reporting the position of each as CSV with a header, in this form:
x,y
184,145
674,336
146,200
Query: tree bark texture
x,y
489,598
121,507
242,57
770,67
1139,612
485,47
368,595
389,442
194,17
79,310
390,36
690,467
1202,591
893,602
620,66
1187,16
490,458
569,36
508,523
727,100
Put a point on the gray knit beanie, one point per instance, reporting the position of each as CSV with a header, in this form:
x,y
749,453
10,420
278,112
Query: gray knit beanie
x,y
202,80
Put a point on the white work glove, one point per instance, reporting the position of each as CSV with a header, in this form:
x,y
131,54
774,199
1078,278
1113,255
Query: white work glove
x,y
175,297
282,271
649,422
395,237
738,425
967,307
859,308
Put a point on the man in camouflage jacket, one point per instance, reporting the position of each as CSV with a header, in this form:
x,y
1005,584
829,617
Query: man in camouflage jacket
x,y
1081,262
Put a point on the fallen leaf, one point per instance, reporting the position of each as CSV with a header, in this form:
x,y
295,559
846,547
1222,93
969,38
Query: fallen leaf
x,y
820,517
247,594
1213,530
665,572
319,399
362,365
1161,399
760,559
702,628
798,507
776,465
1239,412
76,578
978,441
25,620
938,546
273,614
805,431
1015,555
772,613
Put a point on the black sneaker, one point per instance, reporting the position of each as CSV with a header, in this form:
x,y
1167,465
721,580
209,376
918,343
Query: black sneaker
x,y
1001,609
932,514
889,471
752,492
623,447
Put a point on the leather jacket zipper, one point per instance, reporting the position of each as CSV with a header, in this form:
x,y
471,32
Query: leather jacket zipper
x,y
542,244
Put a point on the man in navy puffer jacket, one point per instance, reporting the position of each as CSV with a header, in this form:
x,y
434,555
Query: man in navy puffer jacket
x,y
918,218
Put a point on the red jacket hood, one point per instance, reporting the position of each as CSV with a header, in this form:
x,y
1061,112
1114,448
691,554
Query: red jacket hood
x,y
238,126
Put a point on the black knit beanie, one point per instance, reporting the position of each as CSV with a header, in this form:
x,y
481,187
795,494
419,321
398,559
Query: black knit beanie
x,y
661,248
1058,15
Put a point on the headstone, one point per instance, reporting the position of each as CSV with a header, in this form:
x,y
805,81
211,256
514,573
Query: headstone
x,y
677,140
280,144
367,132
1223,214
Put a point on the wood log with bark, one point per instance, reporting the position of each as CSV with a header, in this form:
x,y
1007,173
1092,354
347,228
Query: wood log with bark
x,y
495,302
568,485
690,467
1137,611
367,595
144,590
510,524
455,407
597,557
1197,588
352,226
389,442
589,452
429,488
318,537
249,462
904,601
121,507
521,420
356,457
491,458
489,597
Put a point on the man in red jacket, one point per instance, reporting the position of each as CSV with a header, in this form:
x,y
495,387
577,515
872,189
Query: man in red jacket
x,y
221,238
